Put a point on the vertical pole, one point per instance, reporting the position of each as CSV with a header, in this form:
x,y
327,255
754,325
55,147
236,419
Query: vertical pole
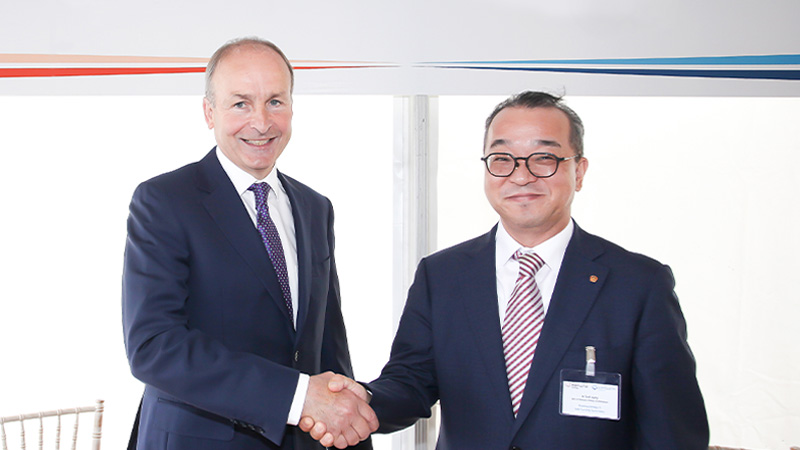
x,y
414,236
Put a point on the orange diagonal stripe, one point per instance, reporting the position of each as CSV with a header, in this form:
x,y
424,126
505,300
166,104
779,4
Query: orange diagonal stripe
x,y
92,71
39,58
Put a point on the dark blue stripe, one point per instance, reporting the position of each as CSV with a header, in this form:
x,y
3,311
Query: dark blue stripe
x,y
689,60
696,73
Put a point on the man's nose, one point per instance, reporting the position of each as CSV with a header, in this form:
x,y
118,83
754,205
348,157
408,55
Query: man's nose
x,y
521,175
261,120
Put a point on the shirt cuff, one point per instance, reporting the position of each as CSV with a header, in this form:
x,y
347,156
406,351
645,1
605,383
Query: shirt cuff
x,y
299,399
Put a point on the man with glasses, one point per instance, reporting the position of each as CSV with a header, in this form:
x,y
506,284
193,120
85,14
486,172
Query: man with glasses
x,y
539,335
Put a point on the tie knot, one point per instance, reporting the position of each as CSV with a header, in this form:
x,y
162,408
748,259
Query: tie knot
x,y
529,263
261,191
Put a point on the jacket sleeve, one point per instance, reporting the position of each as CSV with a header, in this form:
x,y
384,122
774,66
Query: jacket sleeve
x,y
406,388
668,404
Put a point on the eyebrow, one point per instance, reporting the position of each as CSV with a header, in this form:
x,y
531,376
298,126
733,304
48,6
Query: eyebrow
x,y
535,142
238,96
249,97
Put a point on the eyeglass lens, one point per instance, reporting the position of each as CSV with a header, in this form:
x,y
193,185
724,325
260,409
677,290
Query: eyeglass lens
x,y
539,164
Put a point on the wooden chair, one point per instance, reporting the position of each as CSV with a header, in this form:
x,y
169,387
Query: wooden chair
x,y
96,433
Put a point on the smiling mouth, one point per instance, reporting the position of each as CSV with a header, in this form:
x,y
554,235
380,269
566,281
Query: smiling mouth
x,y
524,196
257,142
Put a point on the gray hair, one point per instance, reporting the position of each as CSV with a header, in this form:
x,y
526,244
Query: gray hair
x,y
534,99
223,51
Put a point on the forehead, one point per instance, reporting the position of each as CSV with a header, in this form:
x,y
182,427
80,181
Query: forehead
x,y
252,65
521,127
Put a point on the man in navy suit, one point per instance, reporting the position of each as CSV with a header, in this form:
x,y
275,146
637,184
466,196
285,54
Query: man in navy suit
x,y
231,307
611,368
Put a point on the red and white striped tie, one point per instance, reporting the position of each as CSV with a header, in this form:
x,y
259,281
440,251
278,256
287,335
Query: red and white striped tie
x,y
522,325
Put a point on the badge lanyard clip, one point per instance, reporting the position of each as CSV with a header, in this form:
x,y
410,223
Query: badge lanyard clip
x,y
590,360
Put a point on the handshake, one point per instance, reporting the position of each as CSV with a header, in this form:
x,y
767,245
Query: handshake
x,y
336,411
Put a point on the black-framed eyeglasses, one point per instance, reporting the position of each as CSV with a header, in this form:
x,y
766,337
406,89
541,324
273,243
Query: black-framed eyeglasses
x,y
540,165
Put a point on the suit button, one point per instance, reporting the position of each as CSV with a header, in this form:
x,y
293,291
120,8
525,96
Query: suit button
x,y
297,356
516,448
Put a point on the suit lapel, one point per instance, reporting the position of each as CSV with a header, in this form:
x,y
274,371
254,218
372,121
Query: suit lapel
x,y
573,298
225,208
480,304
300,211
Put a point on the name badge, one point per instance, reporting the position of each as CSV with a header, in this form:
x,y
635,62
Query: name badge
x,y
586,393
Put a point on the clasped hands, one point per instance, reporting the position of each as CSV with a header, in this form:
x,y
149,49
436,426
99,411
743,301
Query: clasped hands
x,y
336,412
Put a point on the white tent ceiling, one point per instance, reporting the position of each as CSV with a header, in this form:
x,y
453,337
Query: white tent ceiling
x,y
419,46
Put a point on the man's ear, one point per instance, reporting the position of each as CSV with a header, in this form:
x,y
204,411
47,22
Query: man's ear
x,y
207,112
580,172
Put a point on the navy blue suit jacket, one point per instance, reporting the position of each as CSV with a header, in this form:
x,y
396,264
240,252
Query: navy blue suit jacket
x,y
449,347
205,324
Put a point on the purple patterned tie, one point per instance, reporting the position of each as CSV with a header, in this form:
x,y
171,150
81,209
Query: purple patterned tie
x,y
272,241
522,325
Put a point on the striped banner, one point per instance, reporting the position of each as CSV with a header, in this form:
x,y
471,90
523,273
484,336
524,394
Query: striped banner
x,y
764,67
34,66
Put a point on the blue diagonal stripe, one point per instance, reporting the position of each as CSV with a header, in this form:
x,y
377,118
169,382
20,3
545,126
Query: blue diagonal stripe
x,y
788,59
697,73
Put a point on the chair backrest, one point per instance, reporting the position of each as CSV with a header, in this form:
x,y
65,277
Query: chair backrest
x,y
97,409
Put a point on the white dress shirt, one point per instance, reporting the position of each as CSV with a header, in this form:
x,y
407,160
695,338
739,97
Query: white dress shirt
x,y
280,211
507,268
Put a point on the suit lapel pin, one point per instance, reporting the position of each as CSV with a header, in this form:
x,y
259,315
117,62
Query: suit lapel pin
x,y
593,278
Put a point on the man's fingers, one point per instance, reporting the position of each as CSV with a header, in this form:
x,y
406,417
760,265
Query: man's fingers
x,y
366,422
336,412
318,431
341,442
368,414
306,423
337,383
361,428
362,418
327,440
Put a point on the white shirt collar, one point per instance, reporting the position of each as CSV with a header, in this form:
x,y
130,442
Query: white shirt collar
x,y
242,180
551,251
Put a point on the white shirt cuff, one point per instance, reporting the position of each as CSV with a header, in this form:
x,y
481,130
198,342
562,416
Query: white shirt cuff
x,y
299,399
